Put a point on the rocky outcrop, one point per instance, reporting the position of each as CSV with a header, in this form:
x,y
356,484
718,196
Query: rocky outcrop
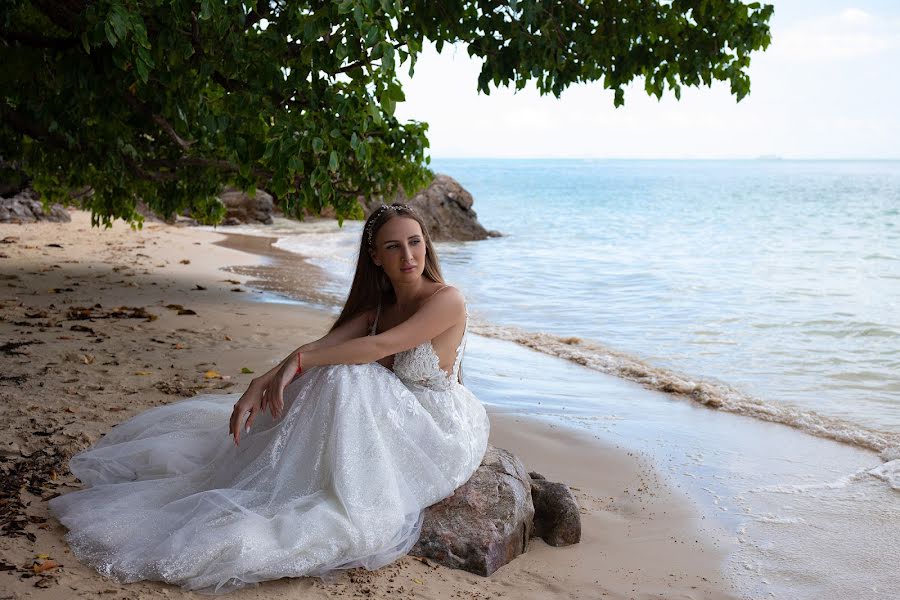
x,y
489,520
25,207
557,519
242,208
446,208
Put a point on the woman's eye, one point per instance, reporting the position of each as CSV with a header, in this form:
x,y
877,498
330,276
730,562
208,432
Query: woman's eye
x,y
414,242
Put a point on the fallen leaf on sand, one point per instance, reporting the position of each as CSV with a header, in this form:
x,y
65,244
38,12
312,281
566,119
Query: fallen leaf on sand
x,y
231,281
197,286
186,311
53,246
42,556
142,372
212,375
10,239
44,566
174,307
246,370
87,358
179,346
227,338
185,261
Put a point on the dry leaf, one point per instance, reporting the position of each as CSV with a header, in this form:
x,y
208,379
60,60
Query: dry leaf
x,y
142,372
185,261
227,338
213,375
44,566
42,556
231,281
197,286
186,311
179,346
87,358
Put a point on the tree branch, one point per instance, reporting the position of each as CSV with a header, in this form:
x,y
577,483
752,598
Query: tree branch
x,y
38,41
24,124
159,120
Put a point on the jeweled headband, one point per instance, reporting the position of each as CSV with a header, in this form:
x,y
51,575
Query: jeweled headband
x,y
370,227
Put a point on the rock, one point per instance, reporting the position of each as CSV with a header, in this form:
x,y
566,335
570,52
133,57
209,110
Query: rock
x,y
148,214
241,208
25,207
557,519
446,208
486,522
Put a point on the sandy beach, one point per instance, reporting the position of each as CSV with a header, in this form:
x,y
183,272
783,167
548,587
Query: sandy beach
x,y
98,325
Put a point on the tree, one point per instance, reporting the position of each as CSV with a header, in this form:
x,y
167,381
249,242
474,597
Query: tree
x,y
167,100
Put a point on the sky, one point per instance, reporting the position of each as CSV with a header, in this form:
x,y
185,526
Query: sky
x,y
828,87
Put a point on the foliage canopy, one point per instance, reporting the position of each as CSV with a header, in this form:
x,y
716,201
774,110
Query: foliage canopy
x,y
168,100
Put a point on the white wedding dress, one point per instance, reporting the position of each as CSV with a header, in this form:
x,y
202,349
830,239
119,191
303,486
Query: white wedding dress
x,y
339,481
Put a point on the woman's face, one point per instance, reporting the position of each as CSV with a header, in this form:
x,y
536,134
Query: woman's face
x,y
400,249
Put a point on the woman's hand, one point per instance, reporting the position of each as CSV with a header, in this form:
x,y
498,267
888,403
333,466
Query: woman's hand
x,y
250,402
273,395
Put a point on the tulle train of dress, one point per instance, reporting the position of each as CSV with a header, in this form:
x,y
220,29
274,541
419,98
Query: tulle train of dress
x,y
340,481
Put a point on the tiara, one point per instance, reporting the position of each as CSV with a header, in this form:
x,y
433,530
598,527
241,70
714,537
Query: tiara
x,y
370,227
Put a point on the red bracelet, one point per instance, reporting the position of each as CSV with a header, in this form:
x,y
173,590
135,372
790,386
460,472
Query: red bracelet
x,y
299,364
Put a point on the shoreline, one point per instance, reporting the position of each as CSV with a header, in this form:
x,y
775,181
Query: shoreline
x,y
635,526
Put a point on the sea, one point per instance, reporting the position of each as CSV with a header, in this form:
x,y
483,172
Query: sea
x,y
736,322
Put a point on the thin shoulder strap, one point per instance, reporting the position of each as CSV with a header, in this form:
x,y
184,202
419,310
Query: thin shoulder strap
x,y
375,322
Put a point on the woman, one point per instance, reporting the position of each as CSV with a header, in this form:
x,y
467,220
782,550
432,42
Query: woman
x,y
335,475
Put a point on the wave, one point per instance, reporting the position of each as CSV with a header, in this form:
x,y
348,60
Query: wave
x,y
711,394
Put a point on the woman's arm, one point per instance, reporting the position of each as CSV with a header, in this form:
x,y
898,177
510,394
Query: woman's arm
x,y
356,327
265,389
437,316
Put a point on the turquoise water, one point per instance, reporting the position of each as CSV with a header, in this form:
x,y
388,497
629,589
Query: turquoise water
x,y
778,278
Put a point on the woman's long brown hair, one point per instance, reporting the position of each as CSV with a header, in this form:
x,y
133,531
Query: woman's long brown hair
x,y
370,285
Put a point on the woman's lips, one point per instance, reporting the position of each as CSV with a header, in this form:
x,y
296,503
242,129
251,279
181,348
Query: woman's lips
x,y
408,269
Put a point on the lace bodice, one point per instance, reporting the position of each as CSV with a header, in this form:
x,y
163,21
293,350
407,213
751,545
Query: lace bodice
x,y
421,365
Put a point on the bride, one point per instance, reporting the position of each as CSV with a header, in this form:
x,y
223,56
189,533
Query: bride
x,y
331,457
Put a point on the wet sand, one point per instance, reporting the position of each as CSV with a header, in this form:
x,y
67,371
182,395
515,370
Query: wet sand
x,y
190,325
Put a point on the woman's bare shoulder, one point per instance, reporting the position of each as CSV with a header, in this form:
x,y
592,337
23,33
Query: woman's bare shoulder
x,y
451,297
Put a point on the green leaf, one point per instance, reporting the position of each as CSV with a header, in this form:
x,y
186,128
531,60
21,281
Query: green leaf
x,y
110,34
317,145
246,370
333,161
